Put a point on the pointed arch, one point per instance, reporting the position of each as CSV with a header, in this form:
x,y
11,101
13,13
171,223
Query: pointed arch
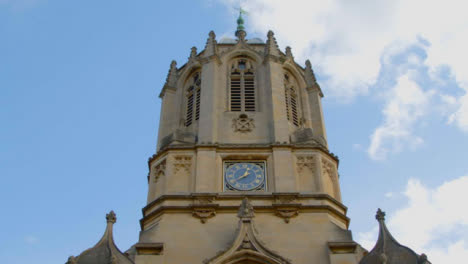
x,y
243,95
249,257
192,97
296,71
244,52
292,98
246,247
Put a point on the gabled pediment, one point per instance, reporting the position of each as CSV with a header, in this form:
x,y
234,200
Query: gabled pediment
x,y
246,247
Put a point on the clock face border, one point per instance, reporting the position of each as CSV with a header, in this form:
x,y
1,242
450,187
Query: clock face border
x,y
260,163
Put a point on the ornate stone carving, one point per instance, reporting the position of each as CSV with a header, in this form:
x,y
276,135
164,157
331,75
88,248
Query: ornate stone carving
x,y
311,81
329,169
211,47
111,217
182,162
243,124
193,53
203,213
271,47
246,243
287,213
159,170
286,205
171,79
246,246
289,53
246,209
203,206
380,215
306,161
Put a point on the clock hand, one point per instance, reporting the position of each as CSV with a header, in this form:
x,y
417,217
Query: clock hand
x,y
246,173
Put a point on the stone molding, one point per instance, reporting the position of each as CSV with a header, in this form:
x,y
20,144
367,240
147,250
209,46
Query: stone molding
x,y
217,146
182,162
306,161
203,213
149,248
277,197
246,244
203,207
243,124
285,210
328,167
342,247
159,170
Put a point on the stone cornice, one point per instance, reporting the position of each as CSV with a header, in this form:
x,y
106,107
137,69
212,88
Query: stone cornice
x,y
189,209
222,146
343,247
207,205
237,195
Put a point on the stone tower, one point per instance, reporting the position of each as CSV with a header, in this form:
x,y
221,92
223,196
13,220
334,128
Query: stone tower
x,y
242,172
242,123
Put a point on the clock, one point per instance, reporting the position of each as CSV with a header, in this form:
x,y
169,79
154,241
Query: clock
x,y
244,175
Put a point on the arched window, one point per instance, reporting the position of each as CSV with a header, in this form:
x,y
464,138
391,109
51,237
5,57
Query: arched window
x,y
193,92
292,100
242,86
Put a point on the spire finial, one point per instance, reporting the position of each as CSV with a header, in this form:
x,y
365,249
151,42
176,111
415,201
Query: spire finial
x,y
193,53
310,78
111,217
211,47
289,52
171,78
308,64
271,47
240,32
380,215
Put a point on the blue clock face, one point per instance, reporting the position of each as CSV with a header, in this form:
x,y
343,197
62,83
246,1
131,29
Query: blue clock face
x,y
244,176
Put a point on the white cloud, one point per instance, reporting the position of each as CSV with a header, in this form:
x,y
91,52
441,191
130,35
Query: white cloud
x,y
389,194
460,116
433,221
348,40
406,104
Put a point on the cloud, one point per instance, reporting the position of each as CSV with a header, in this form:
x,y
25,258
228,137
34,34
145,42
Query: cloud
x,y
432,221
460,116
347,41
406,103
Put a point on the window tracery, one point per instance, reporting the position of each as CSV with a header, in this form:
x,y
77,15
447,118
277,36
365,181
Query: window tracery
x,y
242,86
193,93
292,100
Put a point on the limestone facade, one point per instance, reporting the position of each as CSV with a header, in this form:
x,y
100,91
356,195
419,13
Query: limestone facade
x,y
242,172
243,101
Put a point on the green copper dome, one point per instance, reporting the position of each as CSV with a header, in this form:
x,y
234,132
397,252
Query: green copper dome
x,y
240,22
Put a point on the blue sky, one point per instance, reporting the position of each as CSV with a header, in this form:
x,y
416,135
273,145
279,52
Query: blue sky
x,y
79,112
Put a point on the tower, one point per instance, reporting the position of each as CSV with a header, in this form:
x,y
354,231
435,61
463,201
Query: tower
x,y
242,172
242,121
